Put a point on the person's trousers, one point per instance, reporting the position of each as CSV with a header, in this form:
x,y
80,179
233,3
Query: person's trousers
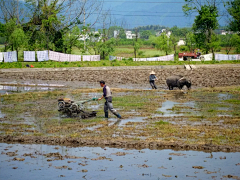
x,y
109,106
152,83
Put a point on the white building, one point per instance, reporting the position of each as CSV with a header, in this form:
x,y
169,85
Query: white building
x,y
168,33
86,36
223,32
116,33
129,34
181,42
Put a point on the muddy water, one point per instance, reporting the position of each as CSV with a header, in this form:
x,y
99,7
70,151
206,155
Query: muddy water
x,y
22,161
5,89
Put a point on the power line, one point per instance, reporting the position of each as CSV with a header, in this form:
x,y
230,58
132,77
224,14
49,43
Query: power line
x,y
145,15
142,11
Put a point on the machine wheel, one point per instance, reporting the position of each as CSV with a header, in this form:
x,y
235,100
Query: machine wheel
x,y
83,116
74,108
61,104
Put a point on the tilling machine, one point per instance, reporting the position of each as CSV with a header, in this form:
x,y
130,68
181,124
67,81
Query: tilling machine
x,y
73,109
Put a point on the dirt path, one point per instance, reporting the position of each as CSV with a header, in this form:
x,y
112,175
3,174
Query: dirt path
x,y
125,77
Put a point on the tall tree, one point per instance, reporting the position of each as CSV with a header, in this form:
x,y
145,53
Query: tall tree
x,y
190,41
10,9
18,39
136,43
9,28
228,41
164,43
205,22
204,25
70,39
105,48
233,7
146,34
174,40
49,20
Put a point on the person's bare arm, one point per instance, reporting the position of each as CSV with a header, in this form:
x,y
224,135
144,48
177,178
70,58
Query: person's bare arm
x,y
100,98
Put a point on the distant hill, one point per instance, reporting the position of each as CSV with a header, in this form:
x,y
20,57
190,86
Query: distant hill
x,y
133,13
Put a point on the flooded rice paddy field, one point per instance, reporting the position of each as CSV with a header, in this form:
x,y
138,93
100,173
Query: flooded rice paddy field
x,y
37,161
194,134
196,117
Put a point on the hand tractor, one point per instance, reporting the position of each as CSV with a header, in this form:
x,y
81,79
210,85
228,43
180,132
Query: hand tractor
x,y
73,109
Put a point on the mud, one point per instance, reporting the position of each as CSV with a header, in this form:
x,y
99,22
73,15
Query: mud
x,y
148,122
186,120
76,142
126,77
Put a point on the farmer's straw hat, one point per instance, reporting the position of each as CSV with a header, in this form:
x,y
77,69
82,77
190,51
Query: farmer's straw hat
x,y
152,72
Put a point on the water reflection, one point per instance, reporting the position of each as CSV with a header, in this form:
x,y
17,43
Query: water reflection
x,y
11,89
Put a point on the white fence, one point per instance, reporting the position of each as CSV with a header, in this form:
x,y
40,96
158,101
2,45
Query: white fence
x,y
161,58
218,57
10,56
62,57
225,57
30,56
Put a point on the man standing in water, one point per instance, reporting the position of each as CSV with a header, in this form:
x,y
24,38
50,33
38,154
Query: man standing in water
x,y
152,79
107,94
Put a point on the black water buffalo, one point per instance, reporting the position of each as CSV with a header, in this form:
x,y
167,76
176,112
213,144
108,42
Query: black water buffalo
x,y
178,81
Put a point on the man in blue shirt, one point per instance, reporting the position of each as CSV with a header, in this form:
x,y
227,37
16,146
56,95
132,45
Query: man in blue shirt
x,y
107,94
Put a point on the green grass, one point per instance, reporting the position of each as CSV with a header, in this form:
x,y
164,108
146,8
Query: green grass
x,y
161,123
233,101
122,51
53,64
127,51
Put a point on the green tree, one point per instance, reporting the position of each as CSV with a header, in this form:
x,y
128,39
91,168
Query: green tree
x,y
51,20
93,42
2,33
233,7
174,40
105,48
136,44
136,47
236,39
146,34
214,44
9,28
70,39
228,42
163,43
110,31
190,41
204,25
18,39
122,34
180,32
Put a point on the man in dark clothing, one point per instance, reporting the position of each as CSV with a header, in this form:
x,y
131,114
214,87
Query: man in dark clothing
x,y
152,79
108,97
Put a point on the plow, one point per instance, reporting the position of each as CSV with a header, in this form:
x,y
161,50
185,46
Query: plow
x,y
74,109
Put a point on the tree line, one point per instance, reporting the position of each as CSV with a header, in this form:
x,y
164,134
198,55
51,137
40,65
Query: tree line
x,y
59,24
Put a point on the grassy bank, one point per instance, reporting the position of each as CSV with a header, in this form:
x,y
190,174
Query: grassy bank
x,y
53,64
121,51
